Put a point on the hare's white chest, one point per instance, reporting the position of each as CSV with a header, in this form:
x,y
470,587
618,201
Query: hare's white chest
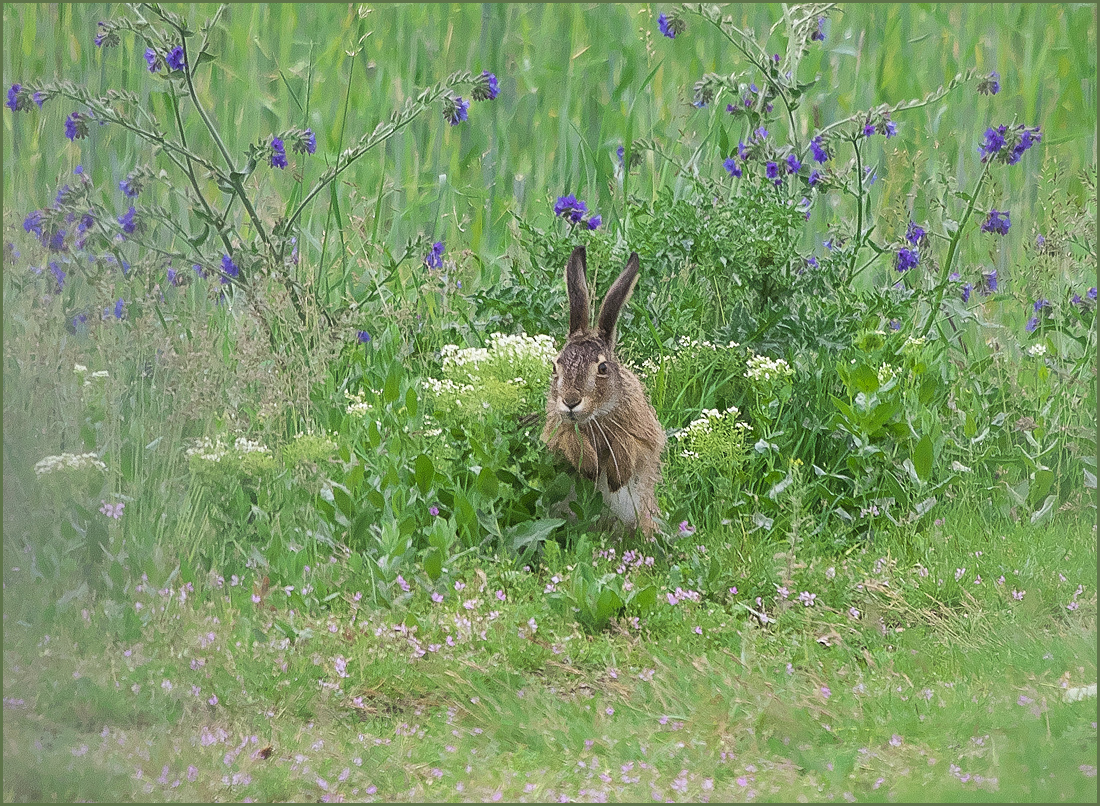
x,y
625,502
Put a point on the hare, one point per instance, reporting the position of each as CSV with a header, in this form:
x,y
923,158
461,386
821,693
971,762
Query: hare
x,y
597,414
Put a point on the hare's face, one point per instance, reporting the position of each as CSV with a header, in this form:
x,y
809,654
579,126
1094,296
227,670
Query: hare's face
x,y
585,382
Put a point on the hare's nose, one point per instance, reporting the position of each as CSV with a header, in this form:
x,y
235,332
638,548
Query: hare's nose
x,y
571,402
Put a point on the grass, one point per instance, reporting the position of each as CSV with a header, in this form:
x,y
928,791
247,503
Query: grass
x,y
358,619
940,690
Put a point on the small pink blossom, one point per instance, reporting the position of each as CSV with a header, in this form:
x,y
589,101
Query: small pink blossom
x,y
501,596
895,740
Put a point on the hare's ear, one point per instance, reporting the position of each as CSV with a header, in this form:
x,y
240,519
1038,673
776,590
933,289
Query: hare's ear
x,y
578,291
616,298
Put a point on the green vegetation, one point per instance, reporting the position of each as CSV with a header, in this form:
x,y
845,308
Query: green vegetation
x,y
278,524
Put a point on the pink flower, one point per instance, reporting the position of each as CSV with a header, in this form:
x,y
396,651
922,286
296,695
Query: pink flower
x,y
501,596
807,598
437,597
699,630
895,740
1018,595
826,692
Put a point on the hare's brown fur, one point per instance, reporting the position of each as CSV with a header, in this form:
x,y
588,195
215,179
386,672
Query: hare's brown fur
x,y
597,414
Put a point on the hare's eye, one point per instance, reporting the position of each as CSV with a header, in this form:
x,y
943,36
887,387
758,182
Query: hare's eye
x,y
602,368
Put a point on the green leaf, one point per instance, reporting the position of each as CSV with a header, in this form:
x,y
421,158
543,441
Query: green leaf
x,y
533,532
411,404
424,472
392,390
922,458
608,605
644,599
343,502
487,483
1040,486
433,563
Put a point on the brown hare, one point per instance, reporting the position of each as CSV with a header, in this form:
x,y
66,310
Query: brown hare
x,y
597,414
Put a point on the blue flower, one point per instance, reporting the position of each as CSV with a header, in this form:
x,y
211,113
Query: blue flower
x,y
994,141
772,170
868,129
487,89
997,224
990,281
1092,293
363,336
669,28
308,142
278,153
594,222
152,60
1028,138
434,258
895,324
39,98
86,222
819,34
1032,324
620,152
130,187
793,165
820,154
761,133
229,267
56,241
175,58
16,101
172,276
742,152
907,259
456,110
966,289
126,221
33,223
1040,304
58,275
991,84
199,271
120,308
891,129
815,177
570,207
914,233
76,126
812,261
732,167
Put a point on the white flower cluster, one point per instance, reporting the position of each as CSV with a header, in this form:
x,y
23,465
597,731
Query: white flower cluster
x,y
69,461
509,348
1037,350
762,368
912,343
886,373
649,367
447,386
215,450
357,406
703,426
98,375
684,343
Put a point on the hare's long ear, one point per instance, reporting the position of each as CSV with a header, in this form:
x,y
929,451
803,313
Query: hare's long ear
x,y
578,292
616,298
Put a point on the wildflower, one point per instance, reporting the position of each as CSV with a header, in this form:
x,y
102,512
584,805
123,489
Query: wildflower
x,y
1092,294
175,58
112,510
914,233
570,207
868,129
686,528
341,666
76,126
434,258
670,27
594,222
895,740
826,692
33,223
306,141
853,612
732,167
229,267
456,110
990,85
819,152
58,274
402,583
995,222
891,129
907,259
152,60
990,281
1028,138
772,171
18,100
278,153
363,336
120,307
488,88
761,134
433,511
819,34
501,595
807,598
815,177
1072,606
698,630
793,165
126,221
131,187
1032,324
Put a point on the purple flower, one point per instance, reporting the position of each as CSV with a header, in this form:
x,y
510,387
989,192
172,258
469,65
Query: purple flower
x,y
812,262
907,259
16,100
306,141
732,167
1032,324
120,308
1092,293
175,58
434,258
172,276
991,84
570,207
126,221
1039,305
793,165
742,152
33,223
995,223
56,241
130,187
895,324
990,281
891,129
620,152
278,153
433,511
819,34
456,110
772,170
488,88
229,267
39,98
761,133
966,289
994,142
76,126
868,129
670,27
1028,138
152,60
594,222
815,177
362,336
914,233
820,154
58,275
